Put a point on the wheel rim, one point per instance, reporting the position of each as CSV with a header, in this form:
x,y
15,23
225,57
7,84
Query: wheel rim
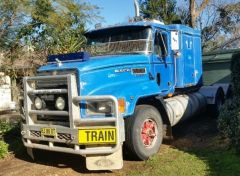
x,y
149,133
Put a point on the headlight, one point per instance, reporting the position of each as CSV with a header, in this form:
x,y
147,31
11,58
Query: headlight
x,y
60,103
101,107
38,103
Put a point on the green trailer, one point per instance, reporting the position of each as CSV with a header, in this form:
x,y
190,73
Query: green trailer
x,y
216,66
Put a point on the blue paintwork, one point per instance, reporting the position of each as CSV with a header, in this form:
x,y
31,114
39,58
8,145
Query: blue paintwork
x,y
189,64
102,75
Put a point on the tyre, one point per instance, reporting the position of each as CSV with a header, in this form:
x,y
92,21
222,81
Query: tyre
x,y
214,109
229,94
144,132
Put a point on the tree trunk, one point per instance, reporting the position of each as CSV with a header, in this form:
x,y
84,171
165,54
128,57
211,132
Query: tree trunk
x,y
195,12
192,8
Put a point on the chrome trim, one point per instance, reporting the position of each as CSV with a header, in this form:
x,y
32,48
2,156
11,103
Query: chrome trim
x,y
37,78
95,120
48,91
75,150
53,113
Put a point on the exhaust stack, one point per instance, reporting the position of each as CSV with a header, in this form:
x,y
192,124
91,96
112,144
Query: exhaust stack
x,y
137,10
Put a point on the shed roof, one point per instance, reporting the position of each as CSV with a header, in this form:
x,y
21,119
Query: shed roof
x,y
219,56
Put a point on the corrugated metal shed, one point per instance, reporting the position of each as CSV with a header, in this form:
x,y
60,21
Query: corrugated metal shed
x,y
216,66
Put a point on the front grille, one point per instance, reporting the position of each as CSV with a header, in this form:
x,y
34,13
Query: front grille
x,y
49,88
52,118
49,84
61,136
50,100
64,136
35,133
61,84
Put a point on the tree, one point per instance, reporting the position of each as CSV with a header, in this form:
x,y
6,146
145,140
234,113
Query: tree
x,y
32,29
229,22
11,14
58,26
221,27
159,9
169,12
218,22
196,11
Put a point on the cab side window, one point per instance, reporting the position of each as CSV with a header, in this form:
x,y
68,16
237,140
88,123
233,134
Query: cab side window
x,y
160,44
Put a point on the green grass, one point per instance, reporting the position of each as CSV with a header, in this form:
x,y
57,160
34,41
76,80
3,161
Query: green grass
x,y
219,162
3,149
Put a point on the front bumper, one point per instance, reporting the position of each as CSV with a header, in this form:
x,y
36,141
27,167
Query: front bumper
x,y
67,139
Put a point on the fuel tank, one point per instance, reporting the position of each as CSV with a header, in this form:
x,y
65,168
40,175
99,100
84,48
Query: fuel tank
x,y
181,107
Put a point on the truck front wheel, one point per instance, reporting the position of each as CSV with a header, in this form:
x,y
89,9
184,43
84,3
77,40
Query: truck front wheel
x,y
144,132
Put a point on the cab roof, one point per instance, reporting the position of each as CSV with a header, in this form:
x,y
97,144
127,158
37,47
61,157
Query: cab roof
x,y
152,24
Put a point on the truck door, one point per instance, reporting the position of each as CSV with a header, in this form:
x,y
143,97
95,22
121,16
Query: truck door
x,y
162,63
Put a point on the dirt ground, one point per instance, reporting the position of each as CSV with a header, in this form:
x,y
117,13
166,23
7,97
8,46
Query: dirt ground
x,y
194,133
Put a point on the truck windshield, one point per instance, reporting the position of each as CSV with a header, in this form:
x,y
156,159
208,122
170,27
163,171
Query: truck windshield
x,y
120,40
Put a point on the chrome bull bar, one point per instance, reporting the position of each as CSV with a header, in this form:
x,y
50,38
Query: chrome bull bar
x,y
74,116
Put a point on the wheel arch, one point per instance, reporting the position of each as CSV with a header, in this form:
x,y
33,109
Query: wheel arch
x,y
158,103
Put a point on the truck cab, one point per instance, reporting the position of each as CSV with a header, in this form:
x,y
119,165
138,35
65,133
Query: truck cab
x,y
133,82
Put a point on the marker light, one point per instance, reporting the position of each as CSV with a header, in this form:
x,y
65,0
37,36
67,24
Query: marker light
x,y
121,105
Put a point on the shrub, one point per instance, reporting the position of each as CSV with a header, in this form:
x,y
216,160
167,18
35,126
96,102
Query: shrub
x,y
3,149
229,122
10,129
9,138
229,118
235,76
5,127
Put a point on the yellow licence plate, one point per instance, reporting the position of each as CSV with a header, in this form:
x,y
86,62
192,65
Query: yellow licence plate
x,y
97,136
49,132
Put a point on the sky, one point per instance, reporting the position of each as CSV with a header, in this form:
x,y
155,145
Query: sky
x,y
114,11
118,11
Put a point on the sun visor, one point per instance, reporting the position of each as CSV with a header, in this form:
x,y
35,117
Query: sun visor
x,y
80,56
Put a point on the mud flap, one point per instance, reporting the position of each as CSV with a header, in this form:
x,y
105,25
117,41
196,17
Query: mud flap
x,y
105,162
30,152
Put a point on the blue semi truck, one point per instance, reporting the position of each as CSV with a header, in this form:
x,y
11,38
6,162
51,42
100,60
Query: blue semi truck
x,y
134,82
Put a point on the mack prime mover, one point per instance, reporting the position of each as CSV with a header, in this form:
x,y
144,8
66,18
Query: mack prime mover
x,y
133,84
